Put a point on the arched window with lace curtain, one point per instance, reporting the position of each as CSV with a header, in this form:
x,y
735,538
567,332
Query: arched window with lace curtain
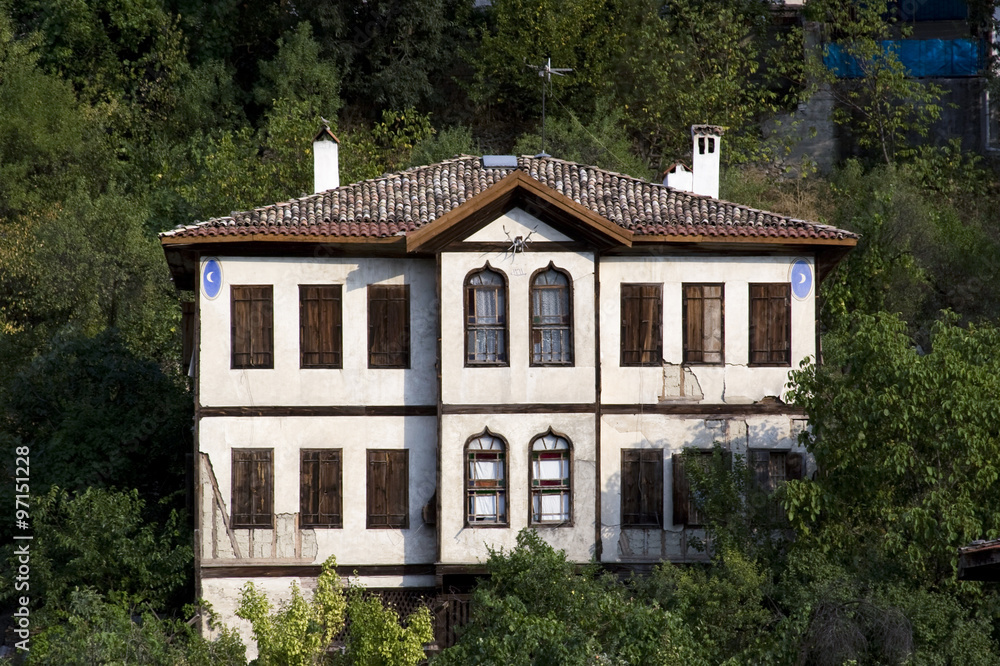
x,y
485,318
550,480
551,317
486,480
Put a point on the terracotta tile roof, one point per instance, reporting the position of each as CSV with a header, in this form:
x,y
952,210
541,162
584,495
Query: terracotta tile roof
x,y
401,202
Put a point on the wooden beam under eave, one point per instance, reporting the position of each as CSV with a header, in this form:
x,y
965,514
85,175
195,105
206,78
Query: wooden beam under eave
x,y
275,238
753,240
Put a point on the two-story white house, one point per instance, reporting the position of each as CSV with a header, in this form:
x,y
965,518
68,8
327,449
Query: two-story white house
x,y
409,370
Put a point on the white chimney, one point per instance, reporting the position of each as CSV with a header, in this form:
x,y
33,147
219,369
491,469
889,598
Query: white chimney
x,y
707,144
326,160
678,177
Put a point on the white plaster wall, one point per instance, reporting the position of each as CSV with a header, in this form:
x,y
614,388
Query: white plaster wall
x,y
460,544
518,382
224,595
287,384
353,543
673,434
514,223
733,383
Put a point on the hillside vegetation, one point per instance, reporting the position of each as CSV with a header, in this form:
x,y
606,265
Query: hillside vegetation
x,y
120,119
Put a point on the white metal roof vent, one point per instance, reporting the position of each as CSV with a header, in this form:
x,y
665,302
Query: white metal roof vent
x,y
500,161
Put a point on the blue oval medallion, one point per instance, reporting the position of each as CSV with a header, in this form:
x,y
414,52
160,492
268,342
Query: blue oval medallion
x,y
211,278
801,278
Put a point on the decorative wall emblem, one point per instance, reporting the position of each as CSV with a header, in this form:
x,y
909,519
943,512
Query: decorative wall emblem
x,y
801,277
211,278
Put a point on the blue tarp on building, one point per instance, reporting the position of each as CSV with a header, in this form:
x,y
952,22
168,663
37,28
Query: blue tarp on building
x,y
920,57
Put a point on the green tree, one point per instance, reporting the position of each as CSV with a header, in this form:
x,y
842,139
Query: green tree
x,y
536,608
395,54
882,107
376,637
444,144
907,444
107,542
695,63
584,35
96,631
604,142
95,414
298,632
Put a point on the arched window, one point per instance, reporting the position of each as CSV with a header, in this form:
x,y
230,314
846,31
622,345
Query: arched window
x,y
551,318
485,318
486,480
550,481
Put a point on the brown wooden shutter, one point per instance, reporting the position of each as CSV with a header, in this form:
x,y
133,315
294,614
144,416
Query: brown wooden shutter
x,y
642,313
252,324
389,326
320,495
770,324
681,490
630,487
240,489
794,466
780,306
388,489
240,326
703,323
252,488
398,489
758,324
713,327
694,322
651,487
642,487
320,326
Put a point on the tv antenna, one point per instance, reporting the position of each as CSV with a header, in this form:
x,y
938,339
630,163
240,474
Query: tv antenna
x,y
545,72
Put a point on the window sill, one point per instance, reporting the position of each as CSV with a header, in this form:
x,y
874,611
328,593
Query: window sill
x,y
321,527
491,526
567,523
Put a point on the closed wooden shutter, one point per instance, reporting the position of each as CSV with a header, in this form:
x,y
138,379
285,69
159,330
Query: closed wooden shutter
x,y
388,489
686,510
320,322
389,326
703,323
794,465
642,315
680,491
252,488
320,496
770,324
642,487
251,326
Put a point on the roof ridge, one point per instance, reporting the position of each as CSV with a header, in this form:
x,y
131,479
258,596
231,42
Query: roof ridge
x,y
399,202
590,166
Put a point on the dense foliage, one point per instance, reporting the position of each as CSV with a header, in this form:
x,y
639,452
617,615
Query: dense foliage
x,y
123,118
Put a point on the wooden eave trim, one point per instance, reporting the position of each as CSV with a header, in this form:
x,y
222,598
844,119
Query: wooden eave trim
x,y
278,238
753,240
450,226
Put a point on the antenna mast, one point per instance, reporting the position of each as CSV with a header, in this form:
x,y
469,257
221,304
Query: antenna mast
x,y
546,71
